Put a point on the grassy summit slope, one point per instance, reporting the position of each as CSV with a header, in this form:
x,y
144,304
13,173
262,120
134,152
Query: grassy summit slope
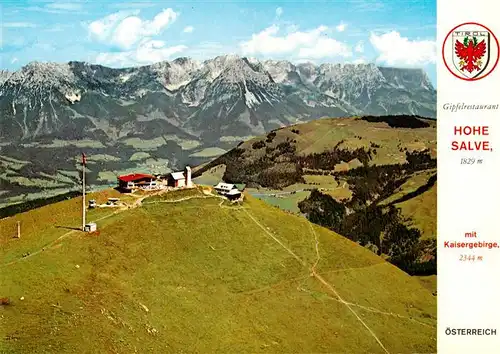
x,y
188,273
375,180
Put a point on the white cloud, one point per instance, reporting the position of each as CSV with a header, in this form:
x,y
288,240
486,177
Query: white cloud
x,y
299,44
127,33
13,60
124,29
279,11
188,29
396,50
148,51
135,37
160,21
324,48
17,25
360,47
341,27
102,29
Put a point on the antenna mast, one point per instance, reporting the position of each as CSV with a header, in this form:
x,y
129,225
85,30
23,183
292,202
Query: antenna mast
x,y
84,162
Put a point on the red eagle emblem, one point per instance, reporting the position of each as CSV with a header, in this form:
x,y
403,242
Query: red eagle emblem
x,y
470,53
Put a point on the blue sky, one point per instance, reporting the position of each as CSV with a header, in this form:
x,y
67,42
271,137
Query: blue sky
x,y
118,34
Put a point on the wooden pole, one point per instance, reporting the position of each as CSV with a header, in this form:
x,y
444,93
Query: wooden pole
x,y
83,199
18,229
83,192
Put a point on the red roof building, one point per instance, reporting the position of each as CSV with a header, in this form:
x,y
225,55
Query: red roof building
x,y
132,181
135,177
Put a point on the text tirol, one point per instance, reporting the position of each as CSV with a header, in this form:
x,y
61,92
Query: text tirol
x,y
467,130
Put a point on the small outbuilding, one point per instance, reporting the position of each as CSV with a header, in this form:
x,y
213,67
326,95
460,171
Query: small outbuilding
x,y
224,188
229,190
176,179
179,179
113,201
90,227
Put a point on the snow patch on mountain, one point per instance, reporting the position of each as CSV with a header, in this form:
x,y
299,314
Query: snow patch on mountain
x,y
124,78
250,100
73,97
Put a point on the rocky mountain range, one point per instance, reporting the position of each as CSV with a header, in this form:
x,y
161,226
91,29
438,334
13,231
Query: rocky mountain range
x,y
225,96
177,112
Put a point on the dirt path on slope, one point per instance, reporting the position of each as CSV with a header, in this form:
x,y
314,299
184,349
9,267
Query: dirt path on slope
x,y
275,239
372,309
332,289
319,277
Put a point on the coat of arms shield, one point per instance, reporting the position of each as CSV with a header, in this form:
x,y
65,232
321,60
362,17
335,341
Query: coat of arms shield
x,y
471,52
